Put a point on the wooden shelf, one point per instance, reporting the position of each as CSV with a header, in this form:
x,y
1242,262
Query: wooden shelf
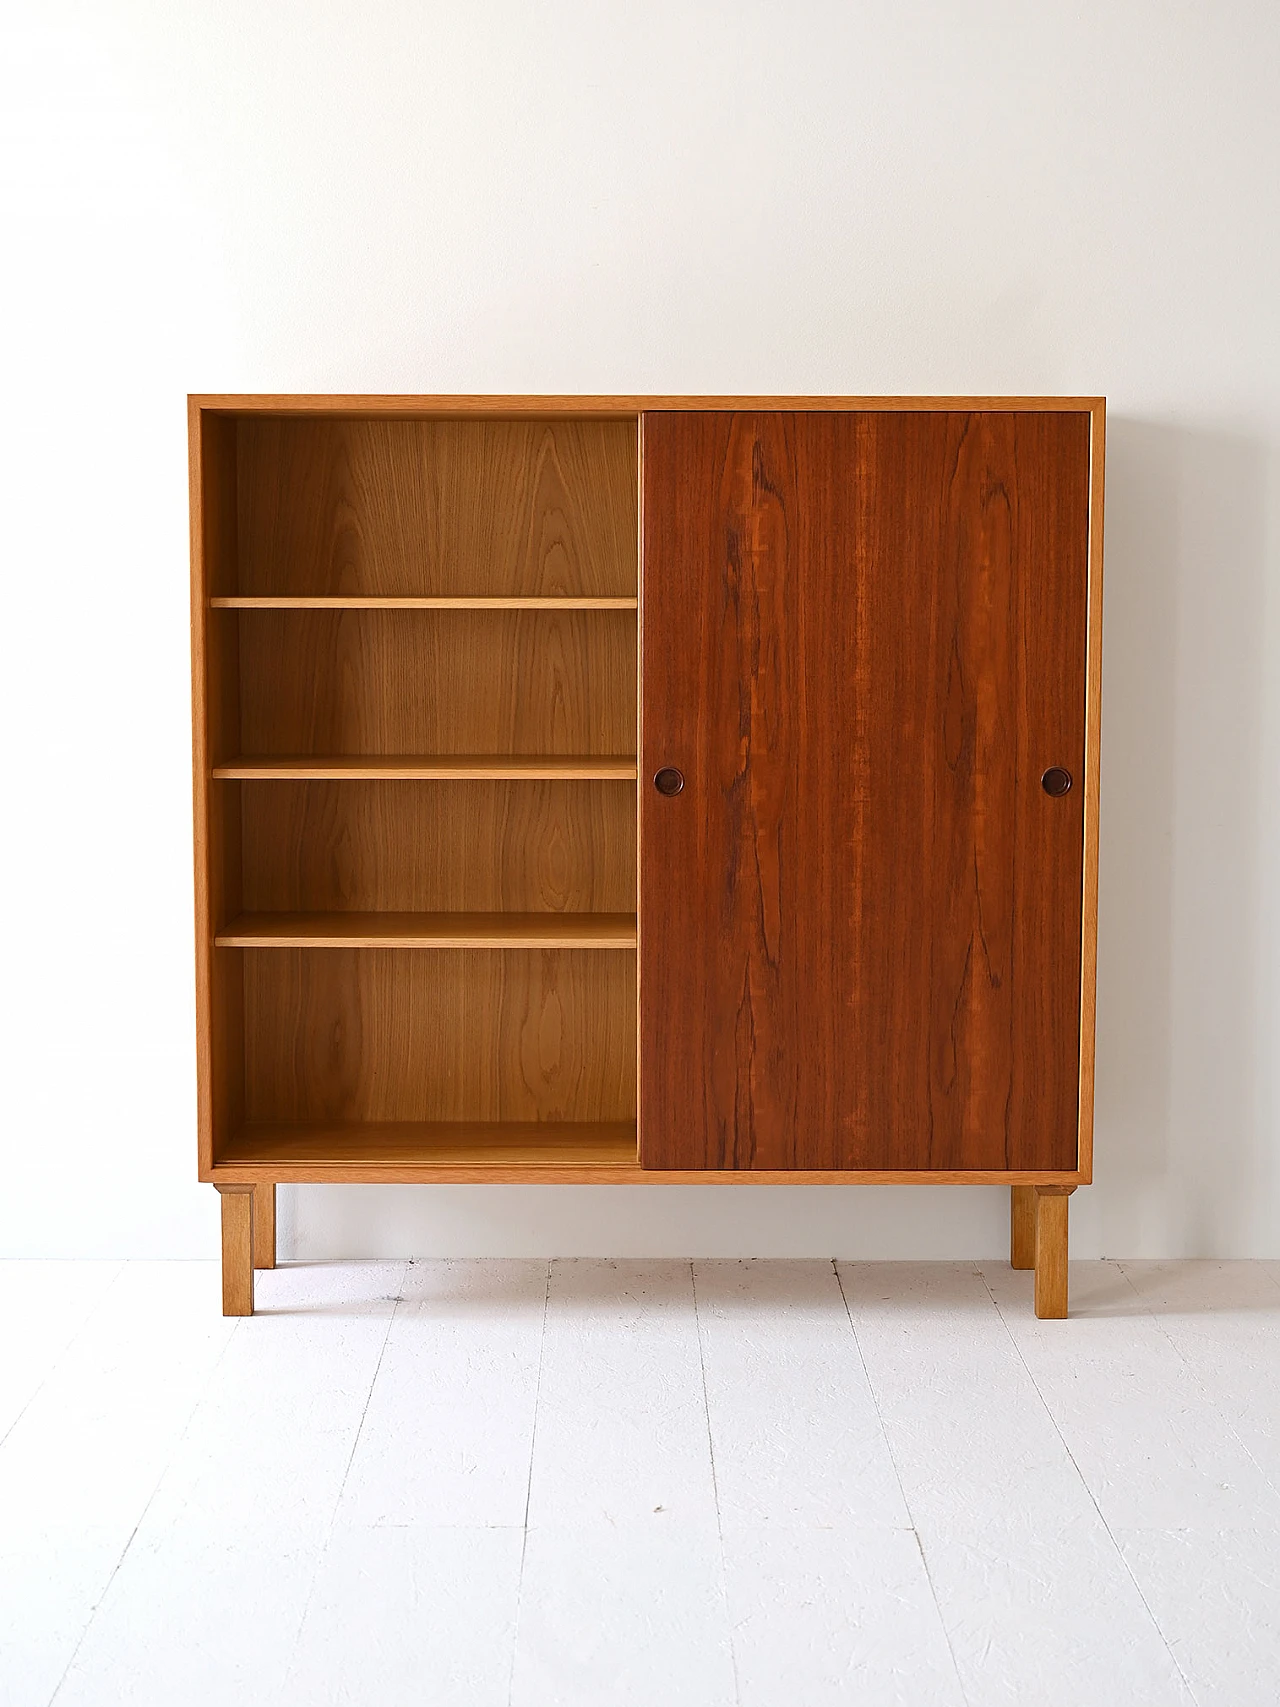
x,y
308,602
368,1150
457,767
429,930
528,1152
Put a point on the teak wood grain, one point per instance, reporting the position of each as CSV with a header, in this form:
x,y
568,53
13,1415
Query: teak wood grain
x,y
384,507
864,640
397,846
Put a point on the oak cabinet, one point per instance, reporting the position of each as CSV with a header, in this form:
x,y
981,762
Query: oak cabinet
x,y
646,789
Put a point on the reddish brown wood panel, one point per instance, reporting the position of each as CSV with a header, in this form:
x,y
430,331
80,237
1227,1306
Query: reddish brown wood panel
x,y
864,641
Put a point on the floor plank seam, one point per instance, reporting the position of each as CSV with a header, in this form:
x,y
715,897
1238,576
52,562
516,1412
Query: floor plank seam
x,y
1194,1373
214,1367
323,1549
528,1486
906,1503
65,1348
715,1485
166,1538
1119,1551
93,1611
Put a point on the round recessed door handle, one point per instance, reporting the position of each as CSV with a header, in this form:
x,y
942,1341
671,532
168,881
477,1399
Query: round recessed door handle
x,y
1056,782
668,780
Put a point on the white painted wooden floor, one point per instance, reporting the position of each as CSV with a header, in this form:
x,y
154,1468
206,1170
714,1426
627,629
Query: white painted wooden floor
x,y
660,1483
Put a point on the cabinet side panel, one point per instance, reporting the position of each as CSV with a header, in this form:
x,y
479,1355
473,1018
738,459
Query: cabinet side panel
x,y
1044,464
1092,781
215,737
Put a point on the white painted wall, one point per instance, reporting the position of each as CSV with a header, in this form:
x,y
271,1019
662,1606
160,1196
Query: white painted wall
x,y
964,196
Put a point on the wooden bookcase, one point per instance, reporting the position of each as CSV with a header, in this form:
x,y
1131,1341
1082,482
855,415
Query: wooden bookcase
x,y
429,888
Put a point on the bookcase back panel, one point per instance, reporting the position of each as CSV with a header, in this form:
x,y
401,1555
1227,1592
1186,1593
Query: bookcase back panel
x,y
394,1035
451,847
391,681
436,507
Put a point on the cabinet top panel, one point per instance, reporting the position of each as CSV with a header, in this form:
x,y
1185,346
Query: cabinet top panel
x,y
411,406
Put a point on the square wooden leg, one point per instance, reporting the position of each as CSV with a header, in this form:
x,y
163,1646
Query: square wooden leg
x,y
237,1250
264,1225
1051,1249
1022,1226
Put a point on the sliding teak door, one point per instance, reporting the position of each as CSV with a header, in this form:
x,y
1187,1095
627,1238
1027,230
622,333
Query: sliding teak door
x,y
862,789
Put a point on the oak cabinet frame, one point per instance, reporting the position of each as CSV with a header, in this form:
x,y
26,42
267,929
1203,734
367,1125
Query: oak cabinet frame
x,y
418,662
